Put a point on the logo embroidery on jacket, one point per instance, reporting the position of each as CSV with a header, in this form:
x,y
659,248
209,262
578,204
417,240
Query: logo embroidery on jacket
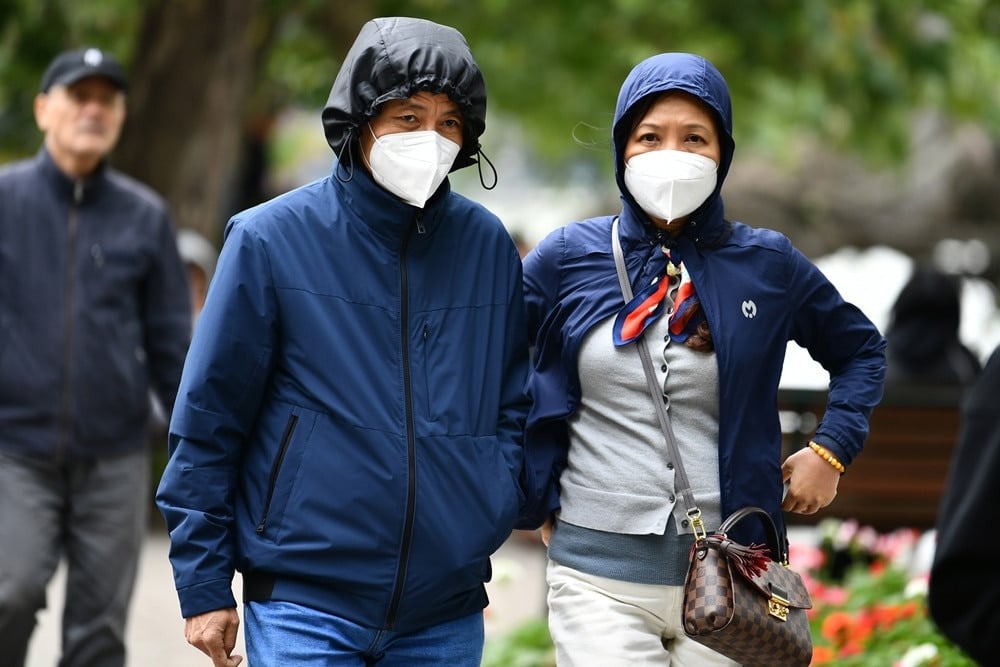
x,y
749,309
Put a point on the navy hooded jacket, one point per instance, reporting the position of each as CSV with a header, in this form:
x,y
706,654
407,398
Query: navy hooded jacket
x,y
348,429
758,292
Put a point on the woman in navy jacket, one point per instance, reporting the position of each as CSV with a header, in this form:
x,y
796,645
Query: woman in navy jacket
x,y
596,465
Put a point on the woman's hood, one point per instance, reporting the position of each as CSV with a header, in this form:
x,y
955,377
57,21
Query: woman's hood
x,y
675,71
393,58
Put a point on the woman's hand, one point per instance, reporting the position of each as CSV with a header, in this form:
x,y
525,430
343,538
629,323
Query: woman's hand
x,y
813,482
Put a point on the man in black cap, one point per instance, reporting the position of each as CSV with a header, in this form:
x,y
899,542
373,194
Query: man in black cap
x,y
94,312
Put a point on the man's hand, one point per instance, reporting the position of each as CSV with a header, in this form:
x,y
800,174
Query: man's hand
x,y
214,634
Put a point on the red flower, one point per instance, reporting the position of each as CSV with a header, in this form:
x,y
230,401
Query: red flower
x,y
822,655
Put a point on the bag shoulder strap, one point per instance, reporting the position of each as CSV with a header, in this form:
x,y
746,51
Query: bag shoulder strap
x,y
684,487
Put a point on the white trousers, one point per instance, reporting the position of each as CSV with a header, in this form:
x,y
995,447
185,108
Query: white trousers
x,y
600,622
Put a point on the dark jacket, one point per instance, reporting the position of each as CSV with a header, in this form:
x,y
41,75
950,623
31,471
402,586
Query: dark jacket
x,y
924,346
348,430
964,582
94,310
758,292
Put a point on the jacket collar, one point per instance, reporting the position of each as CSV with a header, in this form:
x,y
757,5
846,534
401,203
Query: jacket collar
x,y
707,226
385,214
67,188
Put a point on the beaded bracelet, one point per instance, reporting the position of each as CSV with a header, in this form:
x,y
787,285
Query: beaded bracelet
x,y
825,454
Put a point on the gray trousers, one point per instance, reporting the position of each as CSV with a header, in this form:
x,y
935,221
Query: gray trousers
x,y
92,513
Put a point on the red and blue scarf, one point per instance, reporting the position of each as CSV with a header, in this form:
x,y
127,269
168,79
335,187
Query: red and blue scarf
x,y
648,305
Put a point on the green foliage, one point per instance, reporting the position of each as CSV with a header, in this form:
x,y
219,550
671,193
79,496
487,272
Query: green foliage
x,y
849,72
527,645
31,32
300,63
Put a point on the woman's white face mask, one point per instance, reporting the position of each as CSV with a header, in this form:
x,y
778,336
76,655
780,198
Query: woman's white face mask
x,y
669,184
412,165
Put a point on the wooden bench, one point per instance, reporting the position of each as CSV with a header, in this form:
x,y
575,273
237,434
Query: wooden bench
x,y
898,479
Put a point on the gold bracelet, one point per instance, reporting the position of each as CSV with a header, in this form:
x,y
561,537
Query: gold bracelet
x,y
825,454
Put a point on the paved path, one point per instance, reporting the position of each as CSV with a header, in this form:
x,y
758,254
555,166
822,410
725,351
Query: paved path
x,y
155,633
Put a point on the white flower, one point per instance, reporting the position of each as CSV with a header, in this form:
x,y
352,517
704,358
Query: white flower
x,y
916,586
919,655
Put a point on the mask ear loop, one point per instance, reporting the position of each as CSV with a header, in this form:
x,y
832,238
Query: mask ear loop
x,y
350,157
479,164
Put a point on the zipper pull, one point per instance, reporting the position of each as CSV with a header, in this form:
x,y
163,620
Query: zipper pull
x,y
420,224
78,191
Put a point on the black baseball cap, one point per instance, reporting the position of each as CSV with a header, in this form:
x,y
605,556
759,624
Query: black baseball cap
x,y
70,66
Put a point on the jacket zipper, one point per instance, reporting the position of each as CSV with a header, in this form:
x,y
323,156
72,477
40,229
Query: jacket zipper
x,y
65,424
272,481
411,483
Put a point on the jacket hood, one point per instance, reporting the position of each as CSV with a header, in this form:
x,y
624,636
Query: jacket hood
x,y
393,58
698,77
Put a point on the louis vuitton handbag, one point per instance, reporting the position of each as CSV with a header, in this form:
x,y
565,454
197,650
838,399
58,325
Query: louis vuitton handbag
x,y
741,601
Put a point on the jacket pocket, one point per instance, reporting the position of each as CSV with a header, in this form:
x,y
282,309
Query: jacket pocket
x,y
425,370
272,481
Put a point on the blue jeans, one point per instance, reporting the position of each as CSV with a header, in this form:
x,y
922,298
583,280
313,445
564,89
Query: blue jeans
x,y
283,633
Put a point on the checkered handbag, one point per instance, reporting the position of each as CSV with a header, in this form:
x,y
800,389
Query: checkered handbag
x,y
745,604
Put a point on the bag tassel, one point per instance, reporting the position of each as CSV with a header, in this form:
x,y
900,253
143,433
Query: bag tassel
x,y
750,561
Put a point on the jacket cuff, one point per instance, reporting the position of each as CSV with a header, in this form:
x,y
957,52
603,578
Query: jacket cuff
x,y
206,597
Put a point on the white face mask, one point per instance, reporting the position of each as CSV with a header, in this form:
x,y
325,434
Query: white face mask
x,y
670,184
411,165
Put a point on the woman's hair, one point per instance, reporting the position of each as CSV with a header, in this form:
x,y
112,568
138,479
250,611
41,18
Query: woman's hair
x,y
701,339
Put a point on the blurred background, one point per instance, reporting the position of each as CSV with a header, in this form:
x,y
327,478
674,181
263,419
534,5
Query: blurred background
x,y
859,125
867,131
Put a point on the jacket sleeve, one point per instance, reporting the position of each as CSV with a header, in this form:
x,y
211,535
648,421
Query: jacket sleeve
x,y
166,315
545,440
514,399
848,345
224,379
965,583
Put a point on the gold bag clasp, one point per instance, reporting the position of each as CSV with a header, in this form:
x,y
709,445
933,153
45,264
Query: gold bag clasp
x,y
777,606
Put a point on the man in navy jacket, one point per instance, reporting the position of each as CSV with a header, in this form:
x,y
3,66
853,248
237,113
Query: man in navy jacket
x,y
348,429
94,312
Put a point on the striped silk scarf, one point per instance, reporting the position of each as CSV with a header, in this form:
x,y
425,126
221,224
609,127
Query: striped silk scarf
x,y
652,301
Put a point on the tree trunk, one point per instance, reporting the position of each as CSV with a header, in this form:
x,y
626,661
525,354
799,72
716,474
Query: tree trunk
x,y
195,64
